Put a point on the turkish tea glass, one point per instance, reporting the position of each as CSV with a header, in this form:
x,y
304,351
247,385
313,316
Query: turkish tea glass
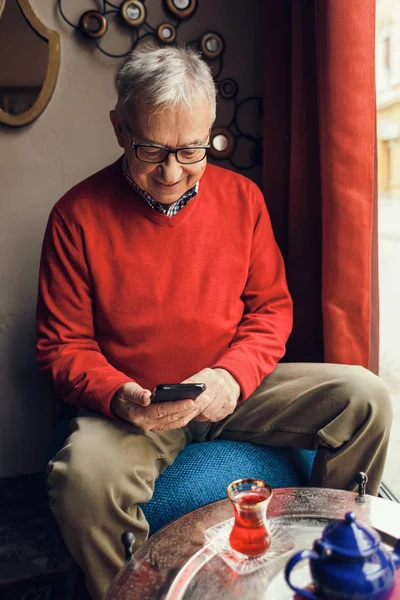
x,y
250,499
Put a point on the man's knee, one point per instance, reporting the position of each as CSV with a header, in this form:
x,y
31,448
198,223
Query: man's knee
x,y
368,396
362,406
89,472
78,470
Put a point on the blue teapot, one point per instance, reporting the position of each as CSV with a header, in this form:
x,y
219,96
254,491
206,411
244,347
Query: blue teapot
x,y
348,562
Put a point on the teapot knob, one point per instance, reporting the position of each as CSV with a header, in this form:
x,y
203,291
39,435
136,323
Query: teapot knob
x,y
350,517
361,479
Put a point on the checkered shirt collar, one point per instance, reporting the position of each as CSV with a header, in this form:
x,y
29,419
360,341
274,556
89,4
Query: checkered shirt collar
x,y
170,210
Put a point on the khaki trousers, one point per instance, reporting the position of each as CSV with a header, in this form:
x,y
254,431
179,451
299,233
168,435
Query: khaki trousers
x,y
106,467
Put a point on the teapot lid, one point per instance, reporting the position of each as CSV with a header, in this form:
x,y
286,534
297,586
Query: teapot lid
x,y
350,538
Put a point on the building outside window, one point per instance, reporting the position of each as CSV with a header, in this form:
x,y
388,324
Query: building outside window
x,y
388,128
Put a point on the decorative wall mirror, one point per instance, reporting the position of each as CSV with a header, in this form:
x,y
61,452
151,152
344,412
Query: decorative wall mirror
x,y
29,63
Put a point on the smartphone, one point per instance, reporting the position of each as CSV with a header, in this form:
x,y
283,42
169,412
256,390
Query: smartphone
x,y
166,392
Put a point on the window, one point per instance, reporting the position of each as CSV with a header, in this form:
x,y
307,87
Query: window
x,y
388,127
386,52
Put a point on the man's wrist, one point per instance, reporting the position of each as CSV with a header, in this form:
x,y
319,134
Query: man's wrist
x,y
115,399
231,381
113,402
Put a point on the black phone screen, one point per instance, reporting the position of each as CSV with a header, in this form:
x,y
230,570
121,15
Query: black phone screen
x,y
166,392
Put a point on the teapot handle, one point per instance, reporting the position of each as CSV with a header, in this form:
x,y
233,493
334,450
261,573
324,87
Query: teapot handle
x,y
292,563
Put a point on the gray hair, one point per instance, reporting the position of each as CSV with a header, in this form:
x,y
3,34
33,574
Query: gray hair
x,y
164,77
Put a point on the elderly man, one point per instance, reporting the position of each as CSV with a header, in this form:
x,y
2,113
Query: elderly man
x,y
161,268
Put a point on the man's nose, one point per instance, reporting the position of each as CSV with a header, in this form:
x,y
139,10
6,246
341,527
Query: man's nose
x,y
170,169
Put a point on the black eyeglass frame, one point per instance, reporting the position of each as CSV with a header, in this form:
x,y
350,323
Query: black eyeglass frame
x,y
169,151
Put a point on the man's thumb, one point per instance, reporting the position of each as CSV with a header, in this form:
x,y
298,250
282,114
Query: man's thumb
x,y
142,397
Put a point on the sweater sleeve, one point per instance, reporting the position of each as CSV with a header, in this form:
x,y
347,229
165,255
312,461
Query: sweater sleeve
x,y
260,340
66,346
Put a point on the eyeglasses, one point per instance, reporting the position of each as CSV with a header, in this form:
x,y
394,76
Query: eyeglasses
x,y
154,153
158,154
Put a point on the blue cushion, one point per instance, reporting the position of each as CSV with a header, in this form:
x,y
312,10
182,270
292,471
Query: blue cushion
x,y
203,470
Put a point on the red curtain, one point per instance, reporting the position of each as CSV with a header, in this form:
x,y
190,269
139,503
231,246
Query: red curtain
x,y
319,172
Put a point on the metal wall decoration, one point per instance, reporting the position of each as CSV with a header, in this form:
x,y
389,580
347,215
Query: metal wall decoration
x,y
224,140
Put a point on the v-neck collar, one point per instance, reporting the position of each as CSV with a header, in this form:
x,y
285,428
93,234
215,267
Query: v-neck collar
x,y
147,210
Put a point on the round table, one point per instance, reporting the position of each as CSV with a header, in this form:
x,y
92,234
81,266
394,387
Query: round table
x,y
176,563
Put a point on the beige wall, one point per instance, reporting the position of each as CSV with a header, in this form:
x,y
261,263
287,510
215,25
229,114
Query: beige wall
x,y
389,150
39,162
388,95
383,167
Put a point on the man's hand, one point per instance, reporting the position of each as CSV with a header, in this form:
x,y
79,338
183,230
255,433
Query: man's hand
x,y
132,403
223,391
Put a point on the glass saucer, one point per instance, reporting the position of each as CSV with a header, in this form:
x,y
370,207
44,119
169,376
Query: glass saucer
x,y
218,539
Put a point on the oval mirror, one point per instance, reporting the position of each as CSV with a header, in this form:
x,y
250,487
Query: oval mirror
x,y
29,63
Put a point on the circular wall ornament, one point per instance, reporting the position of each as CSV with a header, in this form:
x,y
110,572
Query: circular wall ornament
x,y
133,13
181,9
212,45
228,88
226,142
222,143
166,33
93,24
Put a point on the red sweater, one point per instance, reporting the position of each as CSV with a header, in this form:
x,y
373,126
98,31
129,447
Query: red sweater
x,y
129,294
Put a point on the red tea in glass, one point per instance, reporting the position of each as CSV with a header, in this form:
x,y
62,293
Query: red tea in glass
x,y
250,498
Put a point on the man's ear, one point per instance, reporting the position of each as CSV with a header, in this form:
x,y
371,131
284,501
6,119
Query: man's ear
x,y
118,127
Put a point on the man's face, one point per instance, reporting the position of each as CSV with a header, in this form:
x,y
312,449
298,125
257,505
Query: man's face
x,y
173,127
